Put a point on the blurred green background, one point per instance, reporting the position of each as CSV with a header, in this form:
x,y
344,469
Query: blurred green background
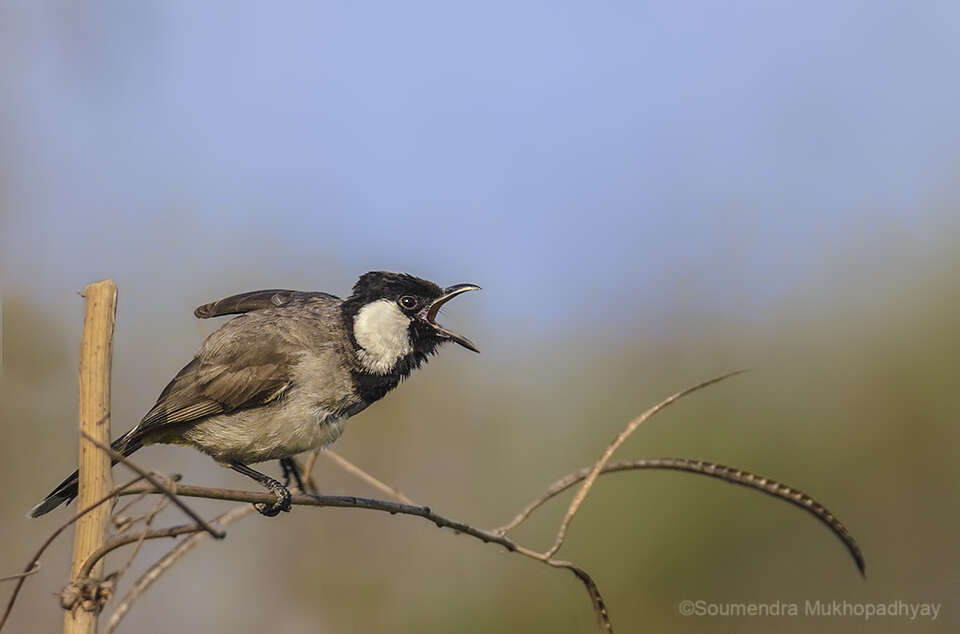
x,y
650,194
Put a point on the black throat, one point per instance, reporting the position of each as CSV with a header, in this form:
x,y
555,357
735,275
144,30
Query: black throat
x,y
372,387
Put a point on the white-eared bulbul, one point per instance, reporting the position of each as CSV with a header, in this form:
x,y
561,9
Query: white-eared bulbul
x,y
285,375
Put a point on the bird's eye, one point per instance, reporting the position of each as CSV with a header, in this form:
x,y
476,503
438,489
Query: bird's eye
x,y
409,302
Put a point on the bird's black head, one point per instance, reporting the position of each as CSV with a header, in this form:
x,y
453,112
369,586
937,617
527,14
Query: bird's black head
x,y
391,318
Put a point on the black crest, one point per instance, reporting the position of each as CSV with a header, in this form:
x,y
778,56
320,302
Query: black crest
x,y
384,284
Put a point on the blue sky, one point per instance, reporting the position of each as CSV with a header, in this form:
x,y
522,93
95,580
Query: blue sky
x,y
618,153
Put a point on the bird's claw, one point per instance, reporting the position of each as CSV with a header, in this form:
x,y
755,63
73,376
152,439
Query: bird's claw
x,y
283,503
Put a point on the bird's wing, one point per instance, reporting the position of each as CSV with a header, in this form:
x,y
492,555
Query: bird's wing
x,y
244,364
255,300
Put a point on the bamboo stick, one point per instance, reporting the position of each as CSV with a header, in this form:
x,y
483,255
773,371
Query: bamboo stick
x,y
96,481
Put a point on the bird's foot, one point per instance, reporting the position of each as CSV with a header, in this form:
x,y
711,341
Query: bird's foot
x,y
291,472
283,502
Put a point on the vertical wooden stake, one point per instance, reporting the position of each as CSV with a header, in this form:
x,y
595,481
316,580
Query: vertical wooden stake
x,y
96,350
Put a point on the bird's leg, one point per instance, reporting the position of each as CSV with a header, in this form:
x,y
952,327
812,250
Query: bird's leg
x,y
282,493
289,466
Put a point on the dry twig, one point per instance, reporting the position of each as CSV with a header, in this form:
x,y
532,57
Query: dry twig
x,y
168,490
584,490
167,561
155,571
338,501
21,575
394,508
142,536
701,467
306,471
35,562
353,469
123,540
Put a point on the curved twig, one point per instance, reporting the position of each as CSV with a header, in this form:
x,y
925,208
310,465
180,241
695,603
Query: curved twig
x,y
581,494
701,467
164,563
123,540
21,575
596,599
159,567
43,547
147,520
169,491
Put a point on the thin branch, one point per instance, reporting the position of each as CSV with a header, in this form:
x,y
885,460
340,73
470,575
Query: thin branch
x,y
307,471
596,599
169,491
166,562
119,510
353,469
123,540
34,563
159,567
21,575
581,494
700,467
148,523
341,501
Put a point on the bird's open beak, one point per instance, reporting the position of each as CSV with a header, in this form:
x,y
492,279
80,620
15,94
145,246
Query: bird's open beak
x,y
430,314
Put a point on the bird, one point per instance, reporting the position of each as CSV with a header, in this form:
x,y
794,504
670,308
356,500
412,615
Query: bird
x,y
286,374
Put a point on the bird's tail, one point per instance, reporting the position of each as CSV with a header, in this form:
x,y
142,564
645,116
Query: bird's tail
x,y
67,490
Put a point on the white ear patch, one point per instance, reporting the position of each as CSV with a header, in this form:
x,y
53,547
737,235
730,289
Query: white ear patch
x,y
381,329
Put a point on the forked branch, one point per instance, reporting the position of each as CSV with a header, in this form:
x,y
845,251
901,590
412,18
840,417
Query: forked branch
x,y
631,427
169,491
